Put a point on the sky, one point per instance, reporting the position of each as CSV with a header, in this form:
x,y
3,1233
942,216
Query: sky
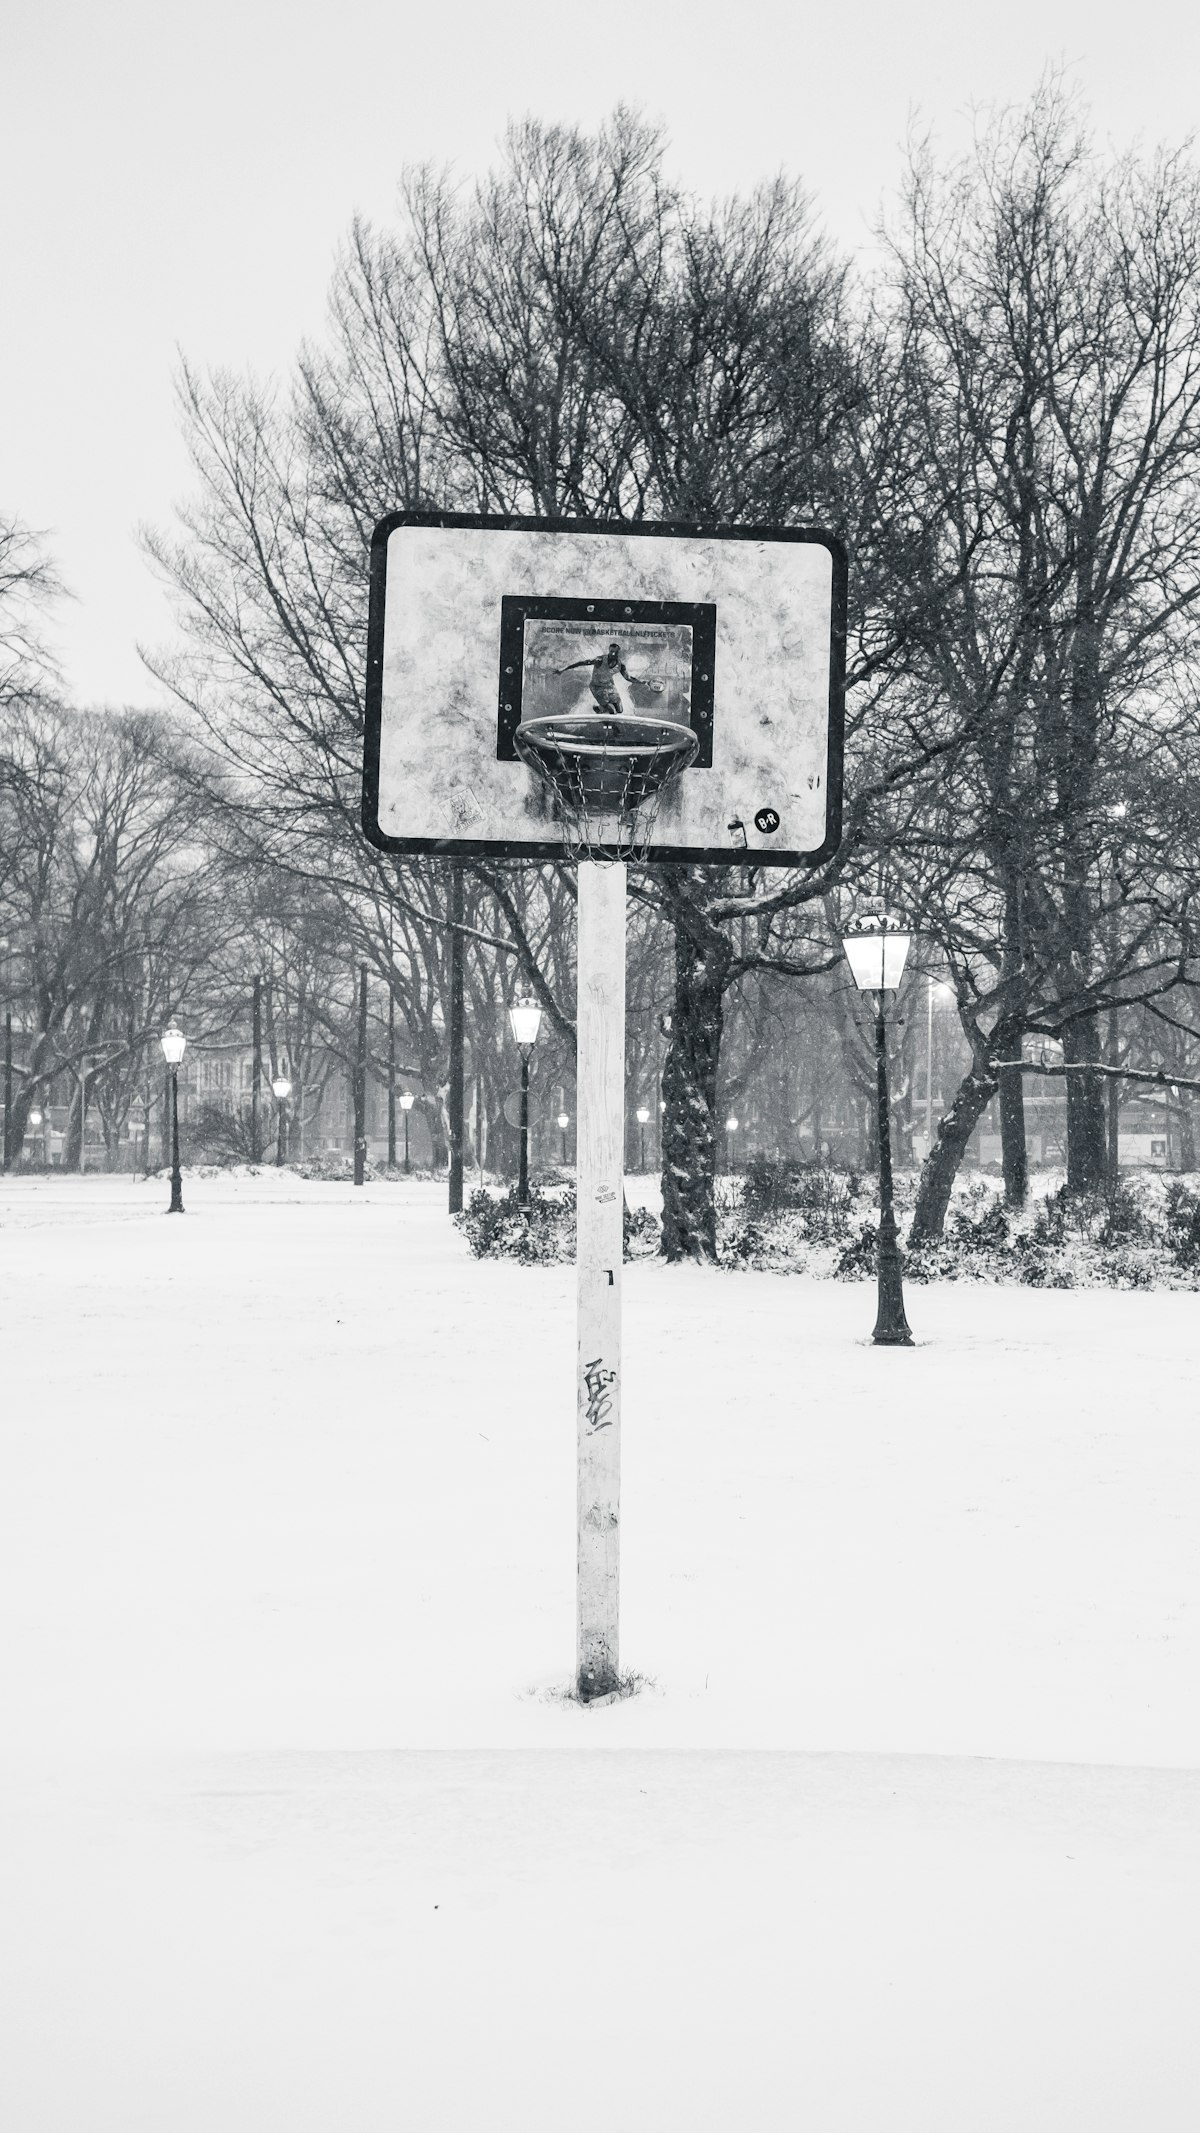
x,y
178,178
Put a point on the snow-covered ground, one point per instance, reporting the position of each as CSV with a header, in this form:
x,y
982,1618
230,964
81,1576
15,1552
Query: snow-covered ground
x,y
300,1832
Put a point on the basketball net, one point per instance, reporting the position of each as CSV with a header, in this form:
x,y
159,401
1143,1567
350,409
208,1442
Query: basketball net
x,y
607,775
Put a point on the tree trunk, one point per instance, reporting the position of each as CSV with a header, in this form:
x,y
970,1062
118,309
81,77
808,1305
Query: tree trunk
x,y
360,1082
72,1135
439,1146
941,1166
1085,1108
689,1133
1187,1135
1012,1137
1112,1094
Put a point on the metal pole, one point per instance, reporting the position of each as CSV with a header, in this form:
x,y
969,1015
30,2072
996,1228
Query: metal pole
x,y
599,1160
406,1162
256,1081
360,1082
83,1082
642,1131
455,1093
523,1173
891,1326
279,1140
176,1207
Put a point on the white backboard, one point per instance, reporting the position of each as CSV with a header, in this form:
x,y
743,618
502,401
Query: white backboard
x,y
477,623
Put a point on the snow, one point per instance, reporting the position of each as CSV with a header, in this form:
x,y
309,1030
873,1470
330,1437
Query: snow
x,y
301,1830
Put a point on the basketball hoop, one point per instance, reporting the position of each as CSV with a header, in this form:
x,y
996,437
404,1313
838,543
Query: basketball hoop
x,y
607,775
534,687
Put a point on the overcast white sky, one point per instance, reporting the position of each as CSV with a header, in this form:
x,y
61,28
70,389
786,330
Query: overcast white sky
x,y
178,176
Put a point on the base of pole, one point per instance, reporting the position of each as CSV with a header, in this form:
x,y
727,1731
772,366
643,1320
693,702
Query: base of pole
x,y
597,1688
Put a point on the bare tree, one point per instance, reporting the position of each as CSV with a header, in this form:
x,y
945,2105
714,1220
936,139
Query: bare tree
x,y
29,584
1048,303
110,916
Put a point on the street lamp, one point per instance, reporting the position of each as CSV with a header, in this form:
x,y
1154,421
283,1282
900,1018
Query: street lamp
x,y
643,1119
524,1020
731,1126
174,1044
406,1103
875,948
281,1089
35,1121
564,1120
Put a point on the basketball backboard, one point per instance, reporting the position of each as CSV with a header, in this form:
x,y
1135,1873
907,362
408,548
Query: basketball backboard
x,y
479,626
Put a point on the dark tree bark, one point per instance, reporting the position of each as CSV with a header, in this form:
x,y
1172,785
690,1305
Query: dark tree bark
x,y
975,1093
1013,1152
690,1136
74,1129
1085,1108
1113,1101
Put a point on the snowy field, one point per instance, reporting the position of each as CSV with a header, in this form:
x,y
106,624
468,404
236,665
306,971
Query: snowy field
x,y
300,1832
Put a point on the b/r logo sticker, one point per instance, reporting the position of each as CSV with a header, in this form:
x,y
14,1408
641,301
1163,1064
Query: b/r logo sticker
x,y
766,821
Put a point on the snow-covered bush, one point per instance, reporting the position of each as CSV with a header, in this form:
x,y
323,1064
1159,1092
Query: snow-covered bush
x,y
824,1197
858,1257
1182,1223
542,1233
1145,1234
496,1227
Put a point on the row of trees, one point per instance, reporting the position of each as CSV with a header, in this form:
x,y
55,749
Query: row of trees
x,y
123,908
1001,422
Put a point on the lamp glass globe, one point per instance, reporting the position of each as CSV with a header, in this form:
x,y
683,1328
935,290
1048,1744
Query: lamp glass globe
x,y
525,1020
876,948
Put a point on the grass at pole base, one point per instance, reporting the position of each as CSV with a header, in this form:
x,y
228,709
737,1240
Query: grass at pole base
x,y
595,1688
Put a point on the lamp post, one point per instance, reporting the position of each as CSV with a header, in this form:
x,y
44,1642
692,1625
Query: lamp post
x,y
875,948
731,1126
564,1120
643,1119
35,1120
524,1020
406,1103
281,1089
174,1044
